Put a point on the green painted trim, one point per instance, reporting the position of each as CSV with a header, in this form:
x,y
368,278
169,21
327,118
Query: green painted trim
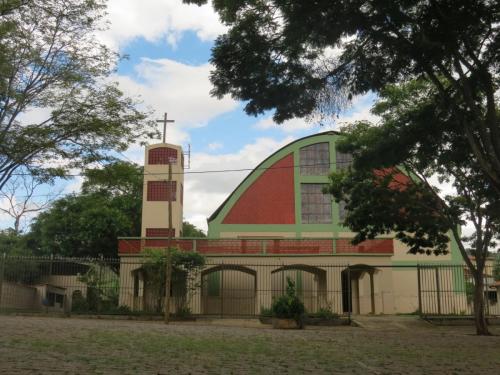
x,y
296,190
216,227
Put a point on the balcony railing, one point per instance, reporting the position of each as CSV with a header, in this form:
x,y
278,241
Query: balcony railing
x,y
216,246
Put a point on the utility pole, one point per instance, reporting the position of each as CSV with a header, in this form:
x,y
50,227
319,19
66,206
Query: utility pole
x,y
168,273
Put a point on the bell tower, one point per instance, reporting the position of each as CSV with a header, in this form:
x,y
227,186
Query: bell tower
x,y
163,187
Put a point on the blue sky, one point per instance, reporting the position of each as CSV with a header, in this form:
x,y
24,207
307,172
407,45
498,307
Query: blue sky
x,y
168,46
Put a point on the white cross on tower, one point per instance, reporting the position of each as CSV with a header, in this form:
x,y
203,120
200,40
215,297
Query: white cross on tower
x,y
165,121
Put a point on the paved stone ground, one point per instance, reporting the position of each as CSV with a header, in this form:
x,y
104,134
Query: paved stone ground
x,y
403,345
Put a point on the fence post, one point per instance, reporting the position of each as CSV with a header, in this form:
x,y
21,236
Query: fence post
x,y
419,285
349,294
222,291
2,271
438,290
51,264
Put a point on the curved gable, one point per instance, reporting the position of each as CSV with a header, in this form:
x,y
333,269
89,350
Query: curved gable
x,y
270,199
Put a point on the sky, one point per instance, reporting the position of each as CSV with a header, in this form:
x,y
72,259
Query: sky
x,y
168,45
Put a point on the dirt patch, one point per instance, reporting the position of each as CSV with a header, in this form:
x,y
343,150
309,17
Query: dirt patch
x,y
37,345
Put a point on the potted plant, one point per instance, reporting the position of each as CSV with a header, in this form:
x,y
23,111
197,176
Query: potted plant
x,y
288,310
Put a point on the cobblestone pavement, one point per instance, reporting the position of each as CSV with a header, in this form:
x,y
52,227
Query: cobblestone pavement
x,y
43,345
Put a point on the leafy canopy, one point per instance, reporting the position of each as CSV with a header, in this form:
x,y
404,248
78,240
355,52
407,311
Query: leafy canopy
x,y
89,224
392,185
58,107
304,57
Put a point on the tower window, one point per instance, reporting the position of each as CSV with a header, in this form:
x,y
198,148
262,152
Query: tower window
x,y
316,206
162,190
159,232
315,159
162,155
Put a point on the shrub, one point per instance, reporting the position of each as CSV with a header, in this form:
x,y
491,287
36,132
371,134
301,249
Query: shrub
x,y
289,306
325,313
183,312
264,311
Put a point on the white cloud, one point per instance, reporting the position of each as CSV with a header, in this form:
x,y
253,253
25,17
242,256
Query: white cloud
x,y
290,126
155,20
205,192
181,90
215,146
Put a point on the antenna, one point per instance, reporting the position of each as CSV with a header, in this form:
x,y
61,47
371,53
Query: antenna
x,y
188,154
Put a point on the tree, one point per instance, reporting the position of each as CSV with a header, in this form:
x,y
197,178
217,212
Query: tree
x,y
21,200
89,224
389,189
58,108
186,267
12,243
190,230
297,57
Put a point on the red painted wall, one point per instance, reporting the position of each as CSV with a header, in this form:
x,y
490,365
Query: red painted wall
x,y
269,200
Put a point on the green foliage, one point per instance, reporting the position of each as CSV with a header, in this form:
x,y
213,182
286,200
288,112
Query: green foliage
x,y
302,58
185,270
50,61
289,306
392,187
87,225
183,312
265,311
79,303
325,313
189,230
102,289
496,268
380,200
13,243
469,291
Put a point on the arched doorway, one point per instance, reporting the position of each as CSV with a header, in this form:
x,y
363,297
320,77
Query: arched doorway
x,y
358,289
228,290
310,284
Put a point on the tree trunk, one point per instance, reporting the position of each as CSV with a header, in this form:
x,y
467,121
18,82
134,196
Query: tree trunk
x,y
479,305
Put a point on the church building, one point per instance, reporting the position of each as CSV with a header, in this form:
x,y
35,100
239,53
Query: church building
x,y
276,224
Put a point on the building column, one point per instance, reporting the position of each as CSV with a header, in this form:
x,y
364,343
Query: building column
x,y
355,308
263,289
372,292
126,297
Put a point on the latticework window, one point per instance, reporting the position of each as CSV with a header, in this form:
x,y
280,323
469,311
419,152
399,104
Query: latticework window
x,y
162,155
316,206
342,211
315,159
343,161
162,190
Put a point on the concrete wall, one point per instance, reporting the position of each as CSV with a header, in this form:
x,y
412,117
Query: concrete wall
x,y
19,297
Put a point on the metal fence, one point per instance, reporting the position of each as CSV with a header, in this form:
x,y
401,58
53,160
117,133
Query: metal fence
x,y
449,290
233,288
